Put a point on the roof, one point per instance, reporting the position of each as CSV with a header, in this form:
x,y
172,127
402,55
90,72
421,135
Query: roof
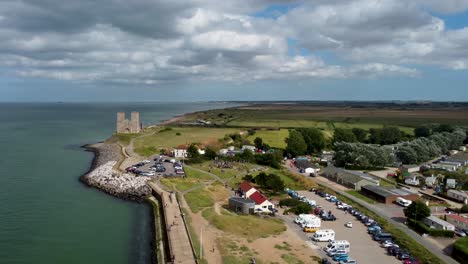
x,y
386,192
464,194
257,197
439,221
245,186
242,200
348,176
458,218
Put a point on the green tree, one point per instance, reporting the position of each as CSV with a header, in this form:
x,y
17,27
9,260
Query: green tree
x,y
422,131
246,155
314,139
261,179
192,152
464,209
343,135
360,134
248,178
258,141
302,208
210,153
275,183
296,144
417,211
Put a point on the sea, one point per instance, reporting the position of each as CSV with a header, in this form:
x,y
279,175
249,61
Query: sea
x,y
46,215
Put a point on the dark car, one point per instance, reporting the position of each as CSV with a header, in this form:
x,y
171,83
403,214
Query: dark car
x,y
403,255
130,169
329,217
325,261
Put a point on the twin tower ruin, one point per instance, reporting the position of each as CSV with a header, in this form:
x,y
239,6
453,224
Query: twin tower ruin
x,y
124,125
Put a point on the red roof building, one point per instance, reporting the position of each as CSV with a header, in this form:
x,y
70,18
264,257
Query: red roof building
x,y
258,198
245,186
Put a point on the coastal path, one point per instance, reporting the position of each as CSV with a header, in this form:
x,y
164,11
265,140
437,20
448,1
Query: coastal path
x,y
179,241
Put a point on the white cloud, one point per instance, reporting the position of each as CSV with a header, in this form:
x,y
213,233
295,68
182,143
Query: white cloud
x,y
153,42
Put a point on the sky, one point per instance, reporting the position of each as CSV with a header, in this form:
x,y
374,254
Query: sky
x,y
201,50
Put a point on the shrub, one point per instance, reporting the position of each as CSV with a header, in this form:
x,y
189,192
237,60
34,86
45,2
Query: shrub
x,y
301,208
460,249
289,202
420,227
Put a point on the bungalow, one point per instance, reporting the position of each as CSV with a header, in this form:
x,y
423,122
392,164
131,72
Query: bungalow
x,y
261,203
437,223
458,221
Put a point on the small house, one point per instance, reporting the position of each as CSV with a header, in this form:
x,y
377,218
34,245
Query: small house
x,y
262,205
437,223
409,168
458,221
246,189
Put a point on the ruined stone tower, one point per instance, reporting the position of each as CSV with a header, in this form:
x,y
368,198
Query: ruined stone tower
x,y
124,125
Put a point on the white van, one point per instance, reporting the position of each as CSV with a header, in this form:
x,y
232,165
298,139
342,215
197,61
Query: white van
x,y
337,245
324,235
403,202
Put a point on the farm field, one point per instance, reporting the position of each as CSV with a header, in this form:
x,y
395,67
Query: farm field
x,y
330,116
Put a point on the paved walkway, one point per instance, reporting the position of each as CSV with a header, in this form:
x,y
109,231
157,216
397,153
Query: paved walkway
x,y
179,242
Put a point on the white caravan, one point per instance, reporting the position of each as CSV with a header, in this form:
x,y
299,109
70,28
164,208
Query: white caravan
x,y
324,235
337,245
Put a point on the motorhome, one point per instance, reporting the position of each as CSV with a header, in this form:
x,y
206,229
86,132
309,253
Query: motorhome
x,y
308,220
337,245
403,202
324,235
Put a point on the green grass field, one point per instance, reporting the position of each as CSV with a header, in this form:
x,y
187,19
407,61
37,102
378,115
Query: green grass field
x,y
199,199
150,143
274,138
247,226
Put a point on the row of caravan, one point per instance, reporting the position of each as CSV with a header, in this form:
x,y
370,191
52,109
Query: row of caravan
x,y
308,221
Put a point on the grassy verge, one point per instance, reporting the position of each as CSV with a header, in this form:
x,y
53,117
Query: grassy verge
x,y
359,195
193,179
274,138
199,199
124,139
247,226
460,250
399,236
193,235
158,243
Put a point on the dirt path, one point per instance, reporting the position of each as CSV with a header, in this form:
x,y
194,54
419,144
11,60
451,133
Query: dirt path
x,y
209,236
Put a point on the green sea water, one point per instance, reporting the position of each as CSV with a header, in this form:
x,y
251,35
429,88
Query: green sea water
x,y
46,214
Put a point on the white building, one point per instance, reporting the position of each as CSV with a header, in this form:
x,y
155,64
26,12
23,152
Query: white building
x,y
430,181
179,153
249,147
451,184
437,223
412,181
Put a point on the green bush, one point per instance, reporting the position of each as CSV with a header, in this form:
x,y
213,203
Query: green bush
x,y
301,208
289,202
420,227
460,250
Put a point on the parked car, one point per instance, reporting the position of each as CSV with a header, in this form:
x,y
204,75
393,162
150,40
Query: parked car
x,y
403,255
329,217
340,257
325,261
388,243
411,261
130,169
349,261
460,233
349,224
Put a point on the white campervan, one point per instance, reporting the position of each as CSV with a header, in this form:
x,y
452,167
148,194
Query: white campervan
x,y
324,235
403,202
337,245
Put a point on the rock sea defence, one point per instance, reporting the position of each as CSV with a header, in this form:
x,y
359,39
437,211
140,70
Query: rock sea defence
x,y
104,176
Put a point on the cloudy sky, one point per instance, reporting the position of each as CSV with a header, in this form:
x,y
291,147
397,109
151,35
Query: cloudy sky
x,y
182,50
